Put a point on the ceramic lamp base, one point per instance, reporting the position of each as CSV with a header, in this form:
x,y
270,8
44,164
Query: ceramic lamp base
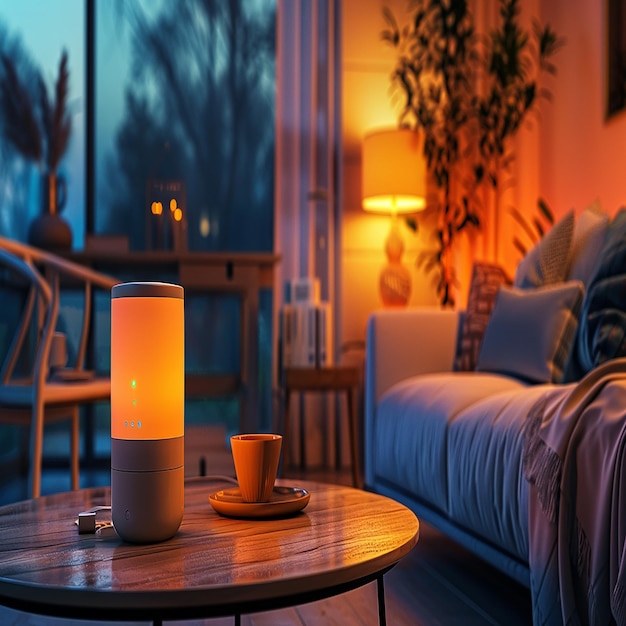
x,y
395,285
395,280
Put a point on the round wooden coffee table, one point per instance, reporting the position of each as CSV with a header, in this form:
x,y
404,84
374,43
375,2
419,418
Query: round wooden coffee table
x,y
214,566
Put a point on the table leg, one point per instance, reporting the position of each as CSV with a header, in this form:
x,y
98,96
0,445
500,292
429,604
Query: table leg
x,y
286,434
382,614
338,416
74,447
354,443
302,431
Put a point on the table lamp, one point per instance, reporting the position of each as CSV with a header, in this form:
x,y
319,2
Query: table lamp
x,y
394,182
147,410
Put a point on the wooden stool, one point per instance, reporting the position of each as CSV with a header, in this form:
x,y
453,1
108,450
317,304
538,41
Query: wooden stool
x,y
332,378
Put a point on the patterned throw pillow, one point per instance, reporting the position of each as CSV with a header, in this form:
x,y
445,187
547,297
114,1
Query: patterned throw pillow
x,y
548,261
486,281
587,243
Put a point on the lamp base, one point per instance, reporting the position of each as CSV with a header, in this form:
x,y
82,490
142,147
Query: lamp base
x,y
394,285
147,488
147,507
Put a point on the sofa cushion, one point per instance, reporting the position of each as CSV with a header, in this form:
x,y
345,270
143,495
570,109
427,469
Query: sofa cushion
x,y
548,261
412,420
486,280
588,241
487,491
602,332
531,332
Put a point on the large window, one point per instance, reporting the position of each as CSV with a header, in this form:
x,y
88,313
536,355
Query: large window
x,y
185,99
184,93
184,119
183,108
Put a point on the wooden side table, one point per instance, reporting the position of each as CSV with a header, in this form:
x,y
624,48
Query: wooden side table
x,y
213,567
335,378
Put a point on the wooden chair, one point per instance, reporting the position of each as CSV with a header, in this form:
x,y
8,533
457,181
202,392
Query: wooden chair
x,y
29,393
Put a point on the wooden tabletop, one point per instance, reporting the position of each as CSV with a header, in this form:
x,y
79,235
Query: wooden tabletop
x,y
214,566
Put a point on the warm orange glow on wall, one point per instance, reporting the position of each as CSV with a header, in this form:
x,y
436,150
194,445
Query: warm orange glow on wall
x,y
147,363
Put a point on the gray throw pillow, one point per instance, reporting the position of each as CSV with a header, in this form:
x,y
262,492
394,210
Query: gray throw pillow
x,y
531,331
548,261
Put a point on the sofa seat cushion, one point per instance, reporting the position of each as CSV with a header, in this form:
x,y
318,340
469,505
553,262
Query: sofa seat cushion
x,y
487,492
410,447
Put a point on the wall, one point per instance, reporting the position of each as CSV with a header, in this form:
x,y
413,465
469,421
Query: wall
x,y
582,153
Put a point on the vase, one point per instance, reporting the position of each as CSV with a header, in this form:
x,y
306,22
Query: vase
x,y
49,230
394,284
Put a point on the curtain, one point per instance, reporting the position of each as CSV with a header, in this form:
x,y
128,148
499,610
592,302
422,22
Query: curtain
x,y
306,224
307,133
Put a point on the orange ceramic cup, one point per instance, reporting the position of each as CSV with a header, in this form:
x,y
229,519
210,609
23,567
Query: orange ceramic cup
x,y
256,459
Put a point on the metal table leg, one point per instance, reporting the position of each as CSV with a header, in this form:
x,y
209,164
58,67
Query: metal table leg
x,y
382,614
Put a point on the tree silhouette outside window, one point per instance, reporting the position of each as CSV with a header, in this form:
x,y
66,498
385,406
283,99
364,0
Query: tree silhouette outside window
x,y
199,107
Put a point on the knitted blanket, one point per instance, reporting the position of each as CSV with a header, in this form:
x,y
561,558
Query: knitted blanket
x,y
575,462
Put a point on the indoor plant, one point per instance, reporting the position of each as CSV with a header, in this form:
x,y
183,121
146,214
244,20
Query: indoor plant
x,y
469,94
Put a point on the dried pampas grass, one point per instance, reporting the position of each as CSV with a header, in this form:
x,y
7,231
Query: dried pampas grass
x,y
40,134
20,125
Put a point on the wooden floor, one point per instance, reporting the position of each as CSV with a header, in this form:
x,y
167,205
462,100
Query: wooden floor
x,y
438,584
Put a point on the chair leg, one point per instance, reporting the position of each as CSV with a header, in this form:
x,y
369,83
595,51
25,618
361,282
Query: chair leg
x,y
36,448
74,445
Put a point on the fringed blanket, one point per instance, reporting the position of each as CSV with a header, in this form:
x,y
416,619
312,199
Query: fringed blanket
x,y
575,462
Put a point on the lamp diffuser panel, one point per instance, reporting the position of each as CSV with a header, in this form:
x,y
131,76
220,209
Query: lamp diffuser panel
x,y
147,361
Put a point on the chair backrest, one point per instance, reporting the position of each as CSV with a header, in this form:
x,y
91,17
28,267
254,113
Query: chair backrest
x,y
29,346
44,275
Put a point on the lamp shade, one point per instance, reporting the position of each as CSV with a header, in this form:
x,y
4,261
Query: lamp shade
x,y
393,172
147,410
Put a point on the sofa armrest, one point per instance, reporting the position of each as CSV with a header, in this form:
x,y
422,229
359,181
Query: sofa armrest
x,y
406,343
400,344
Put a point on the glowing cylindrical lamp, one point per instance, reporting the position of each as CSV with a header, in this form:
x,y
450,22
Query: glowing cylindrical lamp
x,y
147,410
